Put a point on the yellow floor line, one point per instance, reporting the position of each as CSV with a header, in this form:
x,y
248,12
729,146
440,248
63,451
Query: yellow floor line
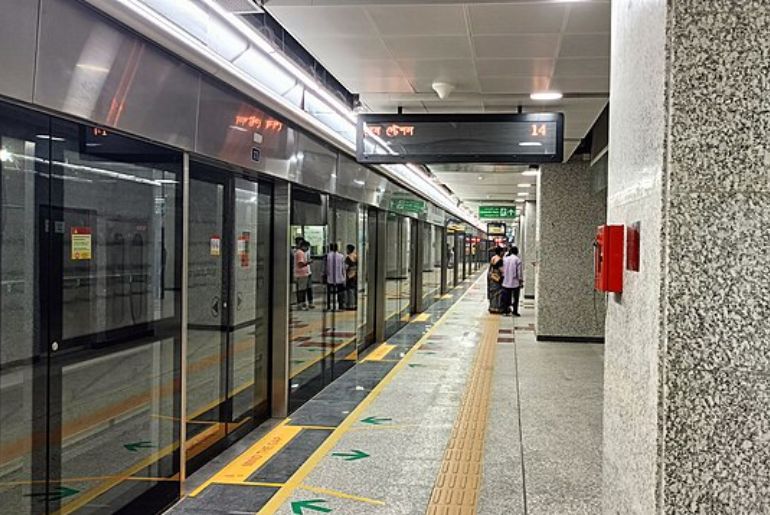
x,y
380,352
459,481
328,445
422,317
341,495
239,469
324,428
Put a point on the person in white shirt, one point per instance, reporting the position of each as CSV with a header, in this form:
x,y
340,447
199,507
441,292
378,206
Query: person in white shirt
x,y
335,279
513,280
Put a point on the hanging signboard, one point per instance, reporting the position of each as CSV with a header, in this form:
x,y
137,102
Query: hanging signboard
x,y
497,212
454,138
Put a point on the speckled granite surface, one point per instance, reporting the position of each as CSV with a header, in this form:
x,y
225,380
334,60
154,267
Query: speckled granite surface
x,y
529,255
568,212
687,376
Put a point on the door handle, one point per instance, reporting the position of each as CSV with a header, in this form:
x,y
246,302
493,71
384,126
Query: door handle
x,y
55,346
239,301
215,306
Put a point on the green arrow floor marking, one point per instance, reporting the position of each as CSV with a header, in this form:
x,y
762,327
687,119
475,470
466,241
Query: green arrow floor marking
x,y
353,455
416,365
375,421
298,506
133,447
57,494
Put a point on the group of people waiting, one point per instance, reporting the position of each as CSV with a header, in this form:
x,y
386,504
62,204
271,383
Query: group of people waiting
x,y
340,276
504,281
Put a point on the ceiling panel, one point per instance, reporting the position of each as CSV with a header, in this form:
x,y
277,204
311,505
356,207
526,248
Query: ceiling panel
x,y
428,47
399,20
585,45
497,18
514,67
495,52
329,50
588,17
513,84
531,45
325,21
582,67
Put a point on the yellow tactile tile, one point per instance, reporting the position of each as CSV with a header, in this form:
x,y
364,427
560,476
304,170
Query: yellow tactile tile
x,y
457,486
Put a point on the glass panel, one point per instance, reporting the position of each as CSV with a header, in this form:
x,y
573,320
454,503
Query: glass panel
x,y
371,264
406,257
392,275
431,264
114,378
206,339
243,299
24,182
346,249
451,261
310,322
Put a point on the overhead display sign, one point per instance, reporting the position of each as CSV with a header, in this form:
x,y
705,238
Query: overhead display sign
x,y
456,138
497,212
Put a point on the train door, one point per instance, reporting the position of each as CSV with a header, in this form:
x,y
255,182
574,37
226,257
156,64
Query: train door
x,y
228,316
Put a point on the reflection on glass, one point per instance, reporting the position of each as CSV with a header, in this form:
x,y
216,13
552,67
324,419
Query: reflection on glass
x,y
398,270
432,240
90,262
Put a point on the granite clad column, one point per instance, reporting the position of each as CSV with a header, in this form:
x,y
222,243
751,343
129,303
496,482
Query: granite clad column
x,y
529,255
568,212
687,355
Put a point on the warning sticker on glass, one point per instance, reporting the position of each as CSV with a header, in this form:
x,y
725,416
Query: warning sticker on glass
x,y
215,245
81,243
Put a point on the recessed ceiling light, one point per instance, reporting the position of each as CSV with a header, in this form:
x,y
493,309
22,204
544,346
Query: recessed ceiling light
x,y
530,144
6,156
359,182
47,136
524,185
480,177
546,95
523,194
530,172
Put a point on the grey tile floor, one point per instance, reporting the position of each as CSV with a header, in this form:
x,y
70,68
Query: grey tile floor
x,y
543,443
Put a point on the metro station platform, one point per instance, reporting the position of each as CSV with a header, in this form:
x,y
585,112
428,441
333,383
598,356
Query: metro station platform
x,y
459,412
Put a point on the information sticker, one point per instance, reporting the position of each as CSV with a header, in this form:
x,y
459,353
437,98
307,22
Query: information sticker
x,y
215,245
81,243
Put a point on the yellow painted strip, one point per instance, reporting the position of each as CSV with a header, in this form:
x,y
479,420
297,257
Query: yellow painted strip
x,y
328,445
458,484
324,428
447,296
341,495
257,455
380,352
250,483
422,317
352,356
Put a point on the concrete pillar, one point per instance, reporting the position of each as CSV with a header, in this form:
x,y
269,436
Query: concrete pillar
x,y
687,355
568,212
529,252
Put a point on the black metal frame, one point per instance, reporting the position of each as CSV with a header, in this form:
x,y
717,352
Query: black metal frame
x,y
513,158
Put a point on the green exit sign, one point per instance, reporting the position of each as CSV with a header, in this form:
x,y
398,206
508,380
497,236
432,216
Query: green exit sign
x,y
403,205
497,212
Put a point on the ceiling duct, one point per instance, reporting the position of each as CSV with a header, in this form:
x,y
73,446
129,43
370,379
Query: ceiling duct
x,y
241,6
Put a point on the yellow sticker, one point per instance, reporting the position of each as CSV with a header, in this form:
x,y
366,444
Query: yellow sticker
x,y
215,245
81,243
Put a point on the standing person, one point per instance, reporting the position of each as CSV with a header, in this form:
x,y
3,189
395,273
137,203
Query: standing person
x,y
513,280
495,281
351,278
301,275
309,257
335,279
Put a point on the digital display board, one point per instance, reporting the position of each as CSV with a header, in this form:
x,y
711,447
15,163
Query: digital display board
x,y
454,138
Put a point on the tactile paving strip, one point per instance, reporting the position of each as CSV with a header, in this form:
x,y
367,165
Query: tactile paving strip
x,y
457,487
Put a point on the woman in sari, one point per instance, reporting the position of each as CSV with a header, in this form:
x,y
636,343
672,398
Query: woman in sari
x,y
495,281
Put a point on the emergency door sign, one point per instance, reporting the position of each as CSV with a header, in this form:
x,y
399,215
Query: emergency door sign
x,y
80,243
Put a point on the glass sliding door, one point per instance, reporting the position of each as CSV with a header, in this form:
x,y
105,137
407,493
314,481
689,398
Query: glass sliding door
x,y
432,242
228,318
91,318
346,319
398,273
368,274
311,340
